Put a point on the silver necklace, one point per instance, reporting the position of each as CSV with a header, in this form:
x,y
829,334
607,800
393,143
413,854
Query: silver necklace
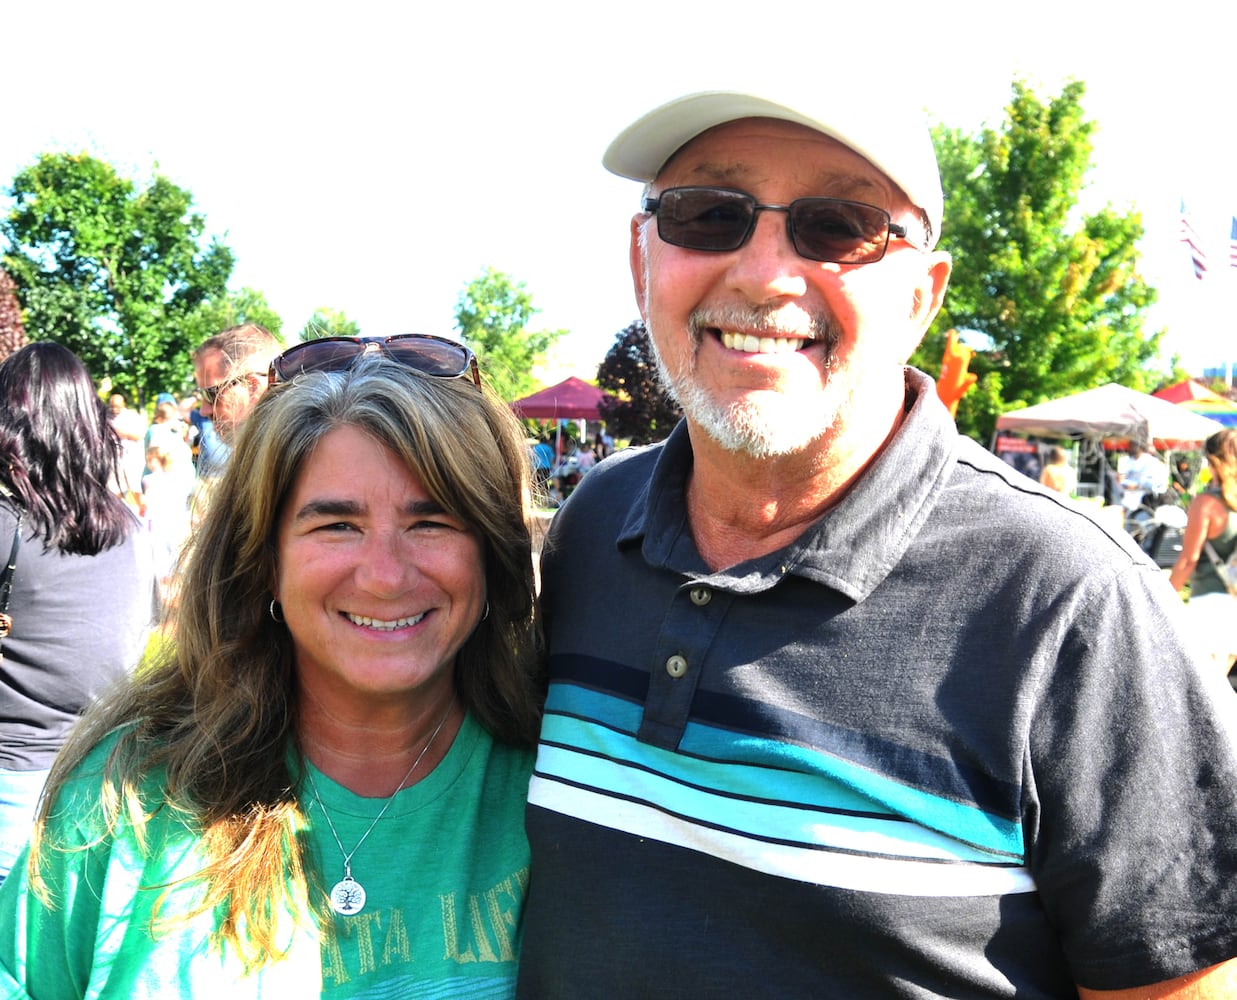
x,y
348,895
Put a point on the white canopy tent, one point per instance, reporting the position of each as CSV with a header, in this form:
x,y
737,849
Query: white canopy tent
x,y
1112,411
1108,413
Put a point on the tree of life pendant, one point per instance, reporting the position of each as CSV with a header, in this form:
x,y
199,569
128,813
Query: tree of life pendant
x,y
348,897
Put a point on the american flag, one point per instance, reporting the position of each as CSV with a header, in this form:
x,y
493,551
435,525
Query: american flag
x,y
1232,244
1190,238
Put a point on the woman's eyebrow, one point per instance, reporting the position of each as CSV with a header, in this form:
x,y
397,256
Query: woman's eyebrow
x,y
327,507
337,507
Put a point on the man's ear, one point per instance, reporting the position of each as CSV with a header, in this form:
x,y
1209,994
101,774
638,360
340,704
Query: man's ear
x,y
930,293
256,383
637,258
928,296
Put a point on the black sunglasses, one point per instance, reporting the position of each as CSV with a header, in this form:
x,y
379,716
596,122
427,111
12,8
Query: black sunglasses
x,y
210,393
422,352
720,220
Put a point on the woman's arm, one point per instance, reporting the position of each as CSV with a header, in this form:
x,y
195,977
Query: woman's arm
x,y
1206,520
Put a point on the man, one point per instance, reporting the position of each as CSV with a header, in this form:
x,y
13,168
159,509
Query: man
x,y
543,461
840,705
1144,478
231,369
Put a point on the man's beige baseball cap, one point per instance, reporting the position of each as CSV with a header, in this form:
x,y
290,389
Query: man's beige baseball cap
x,y
893,139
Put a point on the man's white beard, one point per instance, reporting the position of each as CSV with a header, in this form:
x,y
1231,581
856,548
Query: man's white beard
x,y
773,426
767,424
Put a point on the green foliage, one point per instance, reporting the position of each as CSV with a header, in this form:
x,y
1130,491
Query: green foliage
x,y
12,333
329,323
1056,293
112,272
640,411
492,316
229,309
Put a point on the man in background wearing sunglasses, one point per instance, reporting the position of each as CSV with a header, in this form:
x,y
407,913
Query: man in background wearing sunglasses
x,y
841,706
231,369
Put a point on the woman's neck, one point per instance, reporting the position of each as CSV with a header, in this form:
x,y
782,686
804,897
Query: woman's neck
x,y
376,757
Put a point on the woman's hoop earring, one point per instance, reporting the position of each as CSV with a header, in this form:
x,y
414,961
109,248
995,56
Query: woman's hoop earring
x,y
486,613
276,612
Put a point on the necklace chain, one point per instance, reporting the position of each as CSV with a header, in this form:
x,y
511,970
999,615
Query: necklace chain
x,y
387,805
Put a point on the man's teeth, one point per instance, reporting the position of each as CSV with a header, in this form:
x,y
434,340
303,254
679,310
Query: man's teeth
x,y
760,345
384,626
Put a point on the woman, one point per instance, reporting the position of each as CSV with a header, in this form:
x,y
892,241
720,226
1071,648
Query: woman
x,y
1058,474
321,788
1212,520
81,594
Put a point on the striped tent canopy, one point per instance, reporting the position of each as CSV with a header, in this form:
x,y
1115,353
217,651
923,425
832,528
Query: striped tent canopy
x,y
1197,398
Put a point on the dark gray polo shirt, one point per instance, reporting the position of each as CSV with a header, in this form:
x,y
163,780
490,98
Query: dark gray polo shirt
x,y
947,743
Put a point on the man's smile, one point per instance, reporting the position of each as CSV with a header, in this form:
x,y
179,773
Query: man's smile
x,y
751,344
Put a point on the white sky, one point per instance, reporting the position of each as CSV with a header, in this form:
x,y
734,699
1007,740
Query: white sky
x,y
375,157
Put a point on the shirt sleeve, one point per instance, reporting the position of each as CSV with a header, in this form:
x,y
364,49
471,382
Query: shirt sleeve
x,y
1133,811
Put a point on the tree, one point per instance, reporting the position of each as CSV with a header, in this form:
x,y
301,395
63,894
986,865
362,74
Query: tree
x,y
492,316
12,333
1055,295
112,272
640,409
229,309
329,323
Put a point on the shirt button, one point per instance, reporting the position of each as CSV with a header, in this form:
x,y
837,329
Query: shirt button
x,y
676,666
701,596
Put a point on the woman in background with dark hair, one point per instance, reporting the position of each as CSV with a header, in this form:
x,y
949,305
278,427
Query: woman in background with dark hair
x,y
81,592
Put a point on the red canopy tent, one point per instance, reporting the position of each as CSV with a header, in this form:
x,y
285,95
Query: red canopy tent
x,y
1198,398
570,399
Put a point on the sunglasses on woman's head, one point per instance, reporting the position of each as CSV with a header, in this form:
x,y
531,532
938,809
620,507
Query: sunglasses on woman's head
x,y
720,220
422,352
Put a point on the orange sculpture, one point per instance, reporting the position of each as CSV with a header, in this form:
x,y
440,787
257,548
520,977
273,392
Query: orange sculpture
x,y
955,380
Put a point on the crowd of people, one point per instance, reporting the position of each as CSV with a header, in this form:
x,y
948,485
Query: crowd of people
x,y
892,720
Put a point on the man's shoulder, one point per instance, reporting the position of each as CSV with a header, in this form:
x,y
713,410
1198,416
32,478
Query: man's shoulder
x,y
990,495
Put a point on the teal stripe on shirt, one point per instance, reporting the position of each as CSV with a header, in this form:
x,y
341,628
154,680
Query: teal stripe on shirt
x,y
781,783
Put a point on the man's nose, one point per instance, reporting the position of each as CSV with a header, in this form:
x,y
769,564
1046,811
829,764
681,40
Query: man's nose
x,y
767,266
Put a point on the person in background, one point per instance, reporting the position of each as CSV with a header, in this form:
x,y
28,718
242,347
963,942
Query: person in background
x,y
167,420
873,718
1183,477
130,428
231,368
81,597
209,453
1058,474
231,371
586,458
543,462
1144,477
166,489
169,433
1210,536
318,789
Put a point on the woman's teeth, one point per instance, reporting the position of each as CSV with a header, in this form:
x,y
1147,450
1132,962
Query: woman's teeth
x,y
381,625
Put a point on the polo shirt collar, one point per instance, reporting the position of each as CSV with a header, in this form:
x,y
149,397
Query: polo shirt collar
x,y
852,547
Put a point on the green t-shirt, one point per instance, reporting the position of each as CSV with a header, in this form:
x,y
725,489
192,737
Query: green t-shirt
x,y
444,871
